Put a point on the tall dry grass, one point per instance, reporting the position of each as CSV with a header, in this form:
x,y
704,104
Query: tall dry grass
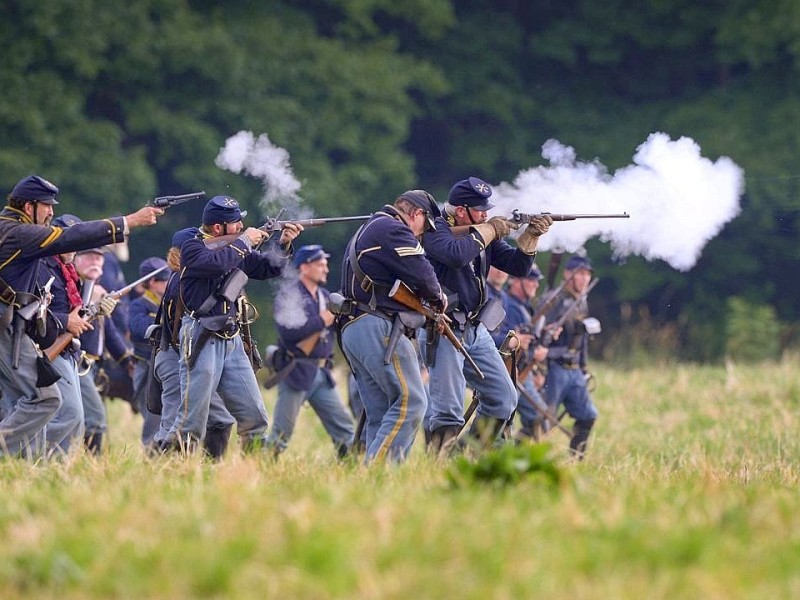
x,y
690,490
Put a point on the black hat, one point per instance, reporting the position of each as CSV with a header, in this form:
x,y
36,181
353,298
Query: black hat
x,y
222,210
472,193
35,189
426,202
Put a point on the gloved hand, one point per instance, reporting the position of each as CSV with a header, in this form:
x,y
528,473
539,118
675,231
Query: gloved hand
x,y
539,225
529,238
106,305
494,229
502,227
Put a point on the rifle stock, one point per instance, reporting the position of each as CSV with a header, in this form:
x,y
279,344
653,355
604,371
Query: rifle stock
x,y
403,294
65,339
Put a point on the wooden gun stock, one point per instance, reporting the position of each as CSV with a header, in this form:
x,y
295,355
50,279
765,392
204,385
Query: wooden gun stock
x,y
402,294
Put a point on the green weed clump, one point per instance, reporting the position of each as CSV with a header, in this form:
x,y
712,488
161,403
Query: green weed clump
x,y
508,465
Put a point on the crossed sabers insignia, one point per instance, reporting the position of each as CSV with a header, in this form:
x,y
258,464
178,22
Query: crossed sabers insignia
x,y
482,188
229,202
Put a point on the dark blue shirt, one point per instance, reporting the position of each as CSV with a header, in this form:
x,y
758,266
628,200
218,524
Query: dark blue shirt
x,y
203,269
59,309
461,264
387,250
141,315
297,318
22,243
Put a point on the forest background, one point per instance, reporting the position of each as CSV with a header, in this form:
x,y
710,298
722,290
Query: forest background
x,y
118,102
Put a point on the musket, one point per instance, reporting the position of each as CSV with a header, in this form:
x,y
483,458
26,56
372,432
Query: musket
x,y
274,225
518,219
91,311
403,294
542,410
521,218
551,327
169,201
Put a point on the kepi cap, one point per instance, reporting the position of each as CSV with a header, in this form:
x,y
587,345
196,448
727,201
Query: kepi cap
x,y
35,189
471,193
426,202
153,263
66,220
307,254
183,235
222,210
576,262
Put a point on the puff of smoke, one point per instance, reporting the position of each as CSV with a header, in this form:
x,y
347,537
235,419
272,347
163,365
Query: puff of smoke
x,y
677,199
289,312
260,158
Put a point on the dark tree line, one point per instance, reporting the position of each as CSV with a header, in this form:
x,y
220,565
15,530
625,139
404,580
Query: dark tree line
x,y
119,101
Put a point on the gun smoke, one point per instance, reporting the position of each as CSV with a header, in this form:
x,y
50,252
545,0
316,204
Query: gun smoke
x,y
260,158
677,199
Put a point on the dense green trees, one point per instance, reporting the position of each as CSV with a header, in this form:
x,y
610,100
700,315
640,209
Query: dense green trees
x,y
118,101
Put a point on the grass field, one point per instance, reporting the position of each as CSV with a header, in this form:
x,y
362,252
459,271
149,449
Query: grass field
x,y
690,490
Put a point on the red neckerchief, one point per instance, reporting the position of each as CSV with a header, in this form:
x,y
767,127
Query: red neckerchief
x,y
71,280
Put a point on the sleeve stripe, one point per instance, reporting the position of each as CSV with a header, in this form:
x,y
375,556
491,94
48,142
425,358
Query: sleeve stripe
x,y
54,235
410,250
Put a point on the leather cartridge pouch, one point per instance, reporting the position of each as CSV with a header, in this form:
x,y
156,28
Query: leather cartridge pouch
x,y
492,314
232,285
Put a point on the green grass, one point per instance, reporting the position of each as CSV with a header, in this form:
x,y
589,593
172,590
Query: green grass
x,y
689,490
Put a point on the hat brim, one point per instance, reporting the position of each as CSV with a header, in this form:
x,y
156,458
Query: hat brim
x,y
482,207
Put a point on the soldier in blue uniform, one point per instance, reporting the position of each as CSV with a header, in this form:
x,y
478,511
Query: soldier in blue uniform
x,y
567,356
461,264
305,354
212,353
166,370
104,339
384,249
25,237
521,291
64,316
141,314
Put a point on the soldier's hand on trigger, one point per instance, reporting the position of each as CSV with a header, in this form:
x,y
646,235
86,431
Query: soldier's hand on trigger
x,y
147,215
76,324
539,224
255,235
289,232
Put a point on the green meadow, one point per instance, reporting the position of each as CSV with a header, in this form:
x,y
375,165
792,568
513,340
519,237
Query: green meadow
x,y
689,490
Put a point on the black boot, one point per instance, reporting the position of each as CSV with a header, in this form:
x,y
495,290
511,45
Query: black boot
x,y
444,441
93,443
216,442
580,437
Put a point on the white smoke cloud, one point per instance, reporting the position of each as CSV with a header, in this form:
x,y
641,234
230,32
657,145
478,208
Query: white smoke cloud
x,y
260,158
677,199
289,309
